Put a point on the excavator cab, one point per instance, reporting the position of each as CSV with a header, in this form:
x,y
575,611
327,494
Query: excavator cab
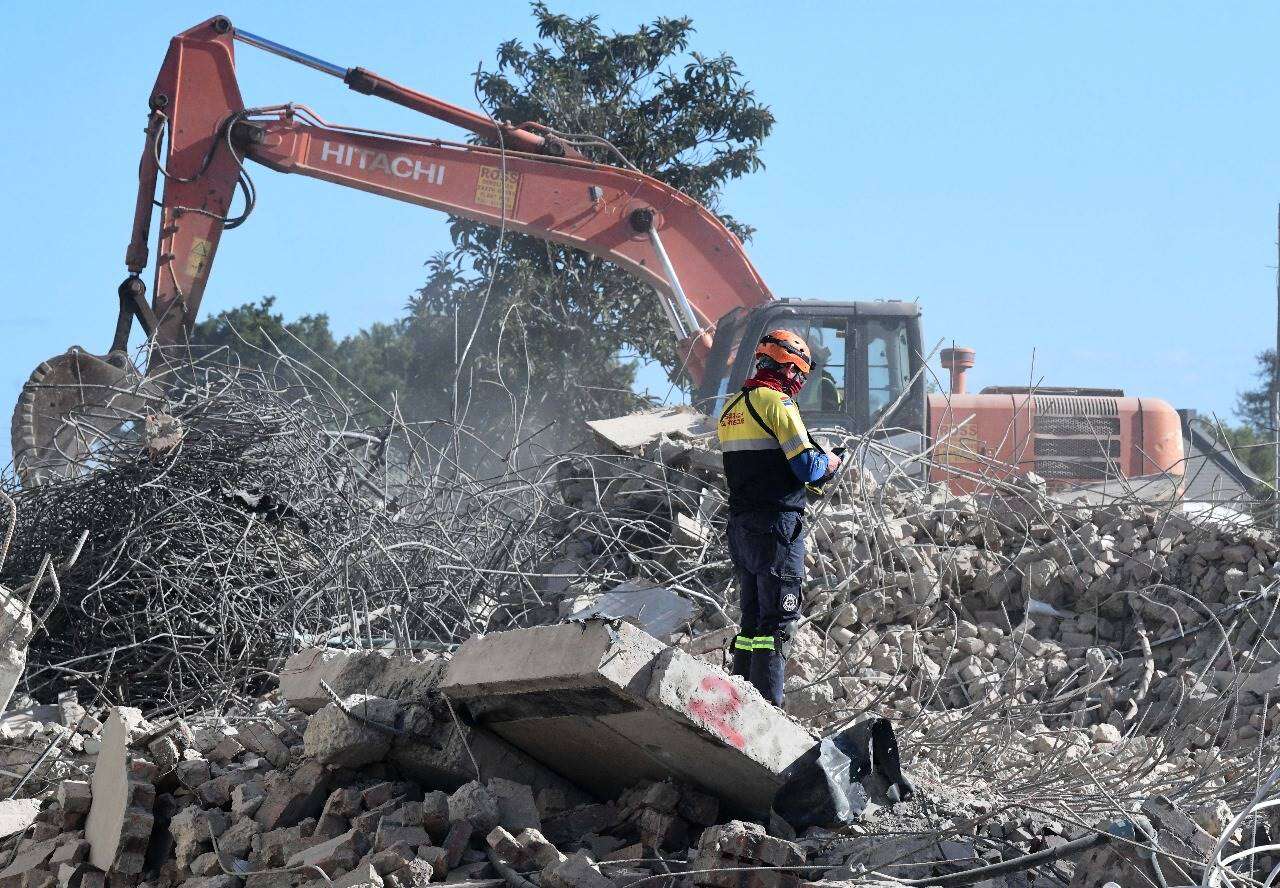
x,y
866,358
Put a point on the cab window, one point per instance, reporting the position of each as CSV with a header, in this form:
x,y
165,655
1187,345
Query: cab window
x,y
888,357
826,391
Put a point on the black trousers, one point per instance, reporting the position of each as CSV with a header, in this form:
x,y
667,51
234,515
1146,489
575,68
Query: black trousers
x,y
767,549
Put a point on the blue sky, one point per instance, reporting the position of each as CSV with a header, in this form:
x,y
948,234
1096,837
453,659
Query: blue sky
x,y
1090,186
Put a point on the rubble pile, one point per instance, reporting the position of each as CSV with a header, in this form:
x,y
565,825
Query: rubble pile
x,y
1065,642
319,784
185,567
312,613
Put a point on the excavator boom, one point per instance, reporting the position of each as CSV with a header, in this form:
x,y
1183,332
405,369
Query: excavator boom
x,y
199,135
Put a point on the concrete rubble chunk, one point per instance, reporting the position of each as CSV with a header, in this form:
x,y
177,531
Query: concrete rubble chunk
x,y
346,737
537,849
119,823
631,433
475,803
29,858
259,737
363,876
338,855
347,672
290,799
15,633
737,844
17,814
516,808
609,707
575,871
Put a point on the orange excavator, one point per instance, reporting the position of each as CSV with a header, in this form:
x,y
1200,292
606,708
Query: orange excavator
x,y
869,356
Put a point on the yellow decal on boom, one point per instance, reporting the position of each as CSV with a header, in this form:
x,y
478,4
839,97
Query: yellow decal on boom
x,y
490,191
198,259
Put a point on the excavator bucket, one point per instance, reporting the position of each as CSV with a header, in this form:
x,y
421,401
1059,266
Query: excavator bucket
x,y
67,408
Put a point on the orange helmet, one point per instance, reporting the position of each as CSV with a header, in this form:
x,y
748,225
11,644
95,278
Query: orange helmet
x,y
785,347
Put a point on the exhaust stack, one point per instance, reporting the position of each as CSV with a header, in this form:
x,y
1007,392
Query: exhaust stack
x,y
957,361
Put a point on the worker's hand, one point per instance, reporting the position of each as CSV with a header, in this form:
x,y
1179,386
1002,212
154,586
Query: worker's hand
x,y
833,464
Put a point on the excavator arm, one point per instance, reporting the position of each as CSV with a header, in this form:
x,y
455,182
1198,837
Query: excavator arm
x,y
199,135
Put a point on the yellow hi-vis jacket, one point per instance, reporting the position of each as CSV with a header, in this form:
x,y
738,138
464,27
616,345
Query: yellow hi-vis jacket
x,y
761,429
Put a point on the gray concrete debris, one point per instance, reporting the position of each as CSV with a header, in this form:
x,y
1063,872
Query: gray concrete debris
x,y
631,433
304,675
15,634
17,814
352,734
610,707
476,804
655,609
119,822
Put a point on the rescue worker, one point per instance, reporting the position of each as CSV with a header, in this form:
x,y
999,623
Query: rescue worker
x,y
769,458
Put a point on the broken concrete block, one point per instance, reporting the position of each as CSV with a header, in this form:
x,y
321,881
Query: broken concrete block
x,y
247,797
435,813
457,842
347,672
390,835
119,823
226,750
575,871
15,633
237,840
191,828
74,797
17,814
633,432
70,875
259,737
516,807
291,799
206,865
345,736
475,803
538,850
506,847
338,855
221,880
562,693
74,850
414,874
363,876
438,860
737,844
192,773
29,858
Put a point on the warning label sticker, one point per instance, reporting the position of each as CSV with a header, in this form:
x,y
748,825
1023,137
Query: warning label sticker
x,y
490,190
961,449
198,260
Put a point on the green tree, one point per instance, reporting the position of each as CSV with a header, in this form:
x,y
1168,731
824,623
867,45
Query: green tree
x,y
510,334
253,330
537,328
1253,406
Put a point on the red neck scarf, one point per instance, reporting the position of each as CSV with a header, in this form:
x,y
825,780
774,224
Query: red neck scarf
x,y
775,380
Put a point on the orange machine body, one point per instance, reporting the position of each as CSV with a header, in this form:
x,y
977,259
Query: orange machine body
x,y
1066,437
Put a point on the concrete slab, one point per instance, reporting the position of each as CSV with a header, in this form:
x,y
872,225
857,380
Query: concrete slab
x,y
655,609
630,433
17,814
606,705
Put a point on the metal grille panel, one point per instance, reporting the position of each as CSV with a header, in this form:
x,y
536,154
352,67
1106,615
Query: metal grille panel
x,y
1076,438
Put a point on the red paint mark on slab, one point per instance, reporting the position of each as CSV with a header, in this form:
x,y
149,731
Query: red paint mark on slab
x,y
715,702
